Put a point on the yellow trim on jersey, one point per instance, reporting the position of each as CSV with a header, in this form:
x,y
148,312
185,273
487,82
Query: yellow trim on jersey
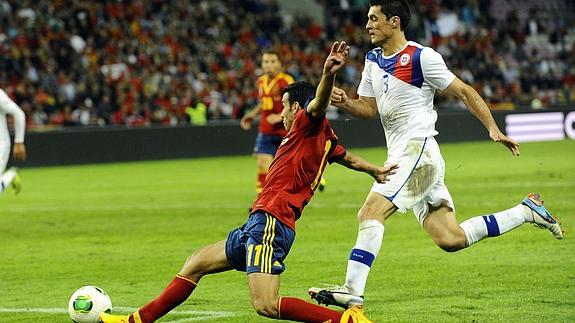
x,y
288,78
318,176
268,85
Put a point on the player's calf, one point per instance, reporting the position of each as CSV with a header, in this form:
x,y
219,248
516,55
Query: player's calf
x,y
451,242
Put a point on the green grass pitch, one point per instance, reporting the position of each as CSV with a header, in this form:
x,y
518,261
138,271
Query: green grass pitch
x,y
129,227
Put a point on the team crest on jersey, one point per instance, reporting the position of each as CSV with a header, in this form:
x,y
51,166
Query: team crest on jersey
x,y
404,59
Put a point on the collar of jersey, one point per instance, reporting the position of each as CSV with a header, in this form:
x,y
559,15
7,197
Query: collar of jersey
x,y
399,51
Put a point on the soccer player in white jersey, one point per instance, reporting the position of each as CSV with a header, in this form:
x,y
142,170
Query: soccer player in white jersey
x,y
10,177
399,81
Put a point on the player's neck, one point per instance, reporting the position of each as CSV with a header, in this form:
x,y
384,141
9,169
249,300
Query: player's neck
x,y
394,44
274,75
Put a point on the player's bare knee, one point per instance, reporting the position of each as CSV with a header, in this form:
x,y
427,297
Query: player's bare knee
x,y
367,212
193,268
265,307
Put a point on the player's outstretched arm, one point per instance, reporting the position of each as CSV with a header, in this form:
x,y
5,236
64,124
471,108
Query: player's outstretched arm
x,y
336,59
10,107
362,108
480,110
380,173
248,118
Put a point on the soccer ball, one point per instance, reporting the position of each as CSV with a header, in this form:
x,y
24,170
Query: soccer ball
x,y
87,303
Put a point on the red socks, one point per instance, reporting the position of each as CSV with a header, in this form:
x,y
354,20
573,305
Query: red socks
x,y
295,309
181,287
173,295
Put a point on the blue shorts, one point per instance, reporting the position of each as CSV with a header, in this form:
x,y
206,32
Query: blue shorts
x,y
260,245
267,144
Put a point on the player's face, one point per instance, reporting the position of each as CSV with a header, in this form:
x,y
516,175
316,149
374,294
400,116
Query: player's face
x,y
271,64
288,112
378,27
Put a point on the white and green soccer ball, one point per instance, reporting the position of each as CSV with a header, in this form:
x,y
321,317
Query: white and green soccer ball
x,y
87,303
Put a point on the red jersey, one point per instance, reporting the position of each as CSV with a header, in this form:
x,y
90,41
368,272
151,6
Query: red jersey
x,y
297,168
270,95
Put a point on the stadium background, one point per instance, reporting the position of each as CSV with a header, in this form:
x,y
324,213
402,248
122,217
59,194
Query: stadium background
x,y
121,72
139,63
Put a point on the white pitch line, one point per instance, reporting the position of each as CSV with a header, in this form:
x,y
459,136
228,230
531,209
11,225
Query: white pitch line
x,y
197,315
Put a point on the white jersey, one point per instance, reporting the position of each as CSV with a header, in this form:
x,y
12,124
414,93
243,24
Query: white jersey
x,y
403,86
7,106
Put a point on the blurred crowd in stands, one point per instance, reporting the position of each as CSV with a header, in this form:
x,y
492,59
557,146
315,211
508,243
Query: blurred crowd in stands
x,y
137,62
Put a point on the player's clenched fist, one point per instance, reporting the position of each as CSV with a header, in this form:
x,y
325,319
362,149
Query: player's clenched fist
x,y
338,97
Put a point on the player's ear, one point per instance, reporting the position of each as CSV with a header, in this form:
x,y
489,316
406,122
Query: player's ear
x,y
296,106
395,21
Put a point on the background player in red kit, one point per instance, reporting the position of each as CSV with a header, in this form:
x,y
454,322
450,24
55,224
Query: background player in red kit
x,y
260,246
271,130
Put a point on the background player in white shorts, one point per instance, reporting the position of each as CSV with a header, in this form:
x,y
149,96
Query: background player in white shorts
x,y
399,81
7,106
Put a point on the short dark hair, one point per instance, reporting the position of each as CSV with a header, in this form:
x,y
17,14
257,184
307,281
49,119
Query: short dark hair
x,y
392,8
272,52
301,92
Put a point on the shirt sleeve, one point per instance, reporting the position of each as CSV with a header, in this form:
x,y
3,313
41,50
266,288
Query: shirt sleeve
x,y
435,72
9,107
337,154
365,86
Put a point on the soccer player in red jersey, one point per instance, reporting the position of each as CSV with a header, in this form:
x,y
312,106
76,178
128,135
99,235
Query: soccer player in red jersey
x,y
260,246
271,130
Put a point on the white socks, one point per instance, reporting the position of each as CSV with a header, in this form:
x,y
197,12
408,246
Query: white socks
x,y
366,248
6,179
495,224
370,237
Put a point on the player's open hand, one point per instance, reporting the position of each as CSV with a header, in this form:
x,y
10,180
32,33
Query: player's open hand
x,y
511,144
19,152
338,97
337,57
381,174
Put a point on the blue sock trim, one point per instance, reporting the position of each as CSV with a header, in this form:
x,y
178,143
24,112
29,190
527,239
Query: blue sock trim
x,y
362,256
492,226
